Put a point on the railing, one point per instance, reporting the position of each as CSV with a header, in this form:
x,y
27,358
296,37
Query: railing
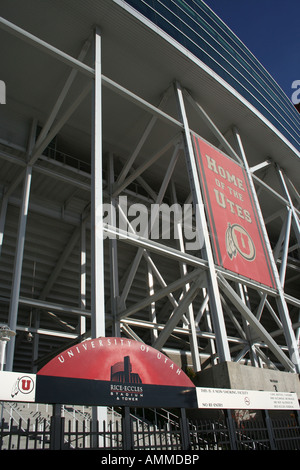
x,y
131,433
25,435
66,159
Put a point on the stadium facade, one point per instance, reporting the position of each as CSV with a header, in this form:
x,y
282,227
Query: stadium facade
x,y
157,113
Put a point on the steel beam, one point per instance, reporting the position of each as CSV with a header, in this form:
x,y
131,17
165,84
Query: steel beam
x,y
155,272
97,235
61,262
118,189
272,191
61,177
60,123
155,247
211,125
16,283
183,268
97,249
207,335
294,190
259,166
152,307
85,69
3,212
19,253
285,248
255,324
113,256
120,90
141,142
45,47
33,156
138,256
214,295
187,299
160,294
47,126
296,223
59,308
280,299
83,276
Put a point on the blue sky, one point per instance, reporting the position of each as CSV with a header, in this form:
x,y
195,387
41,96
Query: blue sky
x,y
271,30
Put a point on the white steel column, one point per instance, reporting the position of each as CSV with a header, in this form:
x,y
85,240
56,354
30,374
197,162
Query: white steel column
x,y
83,273
113,254
97,251
213,288
97,238
152,306
18,262
2,219
295,220
183,269
152,218
15,293
128,166
281,302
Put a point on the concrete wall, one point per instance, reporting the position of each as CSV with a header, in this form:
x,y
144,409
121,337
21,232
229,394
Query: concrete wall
x,y
237,376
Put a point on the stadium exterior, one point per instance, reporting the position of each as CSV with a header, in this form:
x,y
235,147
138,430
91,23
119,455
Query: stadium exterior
x,y
105,102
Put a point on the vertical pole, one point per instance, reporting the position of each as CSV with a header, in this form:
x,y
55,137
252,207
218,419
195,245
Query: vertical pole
x,y
5,335
83,276
97,262
2,219
183,269
127,430
2,354
281,302
269,426
152,313
213,288
18,262
97,238
14,302
298,332
285,248
185,433
36,338
56,433
231,429
297,414
113,253
295,221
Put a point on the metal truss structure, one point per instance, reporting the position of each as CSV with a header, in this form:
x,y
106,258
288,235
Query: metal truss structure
x,y
67,274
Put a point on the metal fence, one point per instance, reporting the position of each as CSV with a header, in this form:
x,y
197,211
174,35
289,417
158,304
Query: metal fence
x,y
132,433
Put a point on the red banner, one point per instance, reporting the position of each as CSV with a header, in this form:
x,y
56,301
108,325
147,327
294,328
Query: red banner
x,y
235,230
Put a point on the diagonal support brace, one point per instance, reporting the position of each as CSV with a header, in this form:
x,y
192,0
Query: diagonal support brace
x,y
255,324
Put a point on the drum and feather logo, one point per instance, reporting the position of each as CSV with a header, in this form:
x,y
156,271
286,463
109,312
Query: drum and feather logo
x,y
238,240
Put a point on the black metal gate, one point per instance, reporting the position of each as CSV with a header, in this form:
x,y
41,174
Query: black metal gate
x,y
133,433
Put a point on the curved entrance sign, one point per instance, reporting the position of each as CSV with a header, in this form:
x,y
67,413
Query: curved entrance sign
x,y
115,372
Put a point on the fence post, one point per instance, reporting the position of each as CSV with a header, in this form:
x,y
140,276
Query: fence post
x,y
185,433
297,413
127,430
56,431
231,430
269,429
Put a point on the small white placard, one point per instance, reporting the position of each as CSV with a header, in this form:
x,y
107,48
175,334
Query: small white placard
x,y
219,398
17,386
